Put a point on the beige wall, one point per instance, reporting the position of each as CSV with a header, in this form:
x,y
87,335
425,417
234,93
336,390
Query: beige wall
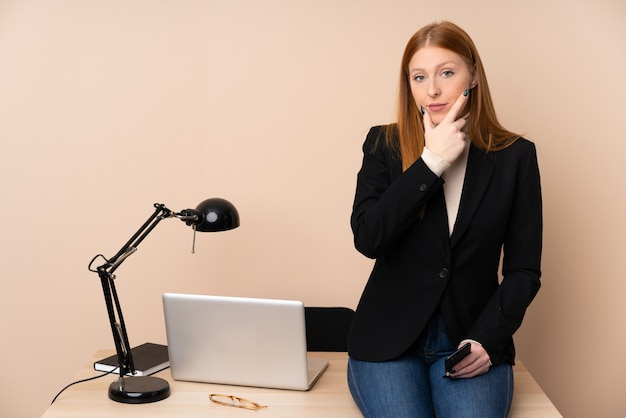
x,y
107,107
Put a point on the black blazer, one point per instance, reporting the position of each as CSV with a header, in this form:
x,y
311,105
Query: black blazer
x,y
400,219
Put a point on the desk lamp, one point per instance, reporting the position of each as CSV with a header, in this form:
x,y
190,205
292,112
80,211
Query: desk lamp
x,y
211,215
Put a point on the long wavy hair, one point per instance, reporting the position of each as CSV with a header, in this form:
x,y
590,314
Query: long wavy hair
x,y
407,136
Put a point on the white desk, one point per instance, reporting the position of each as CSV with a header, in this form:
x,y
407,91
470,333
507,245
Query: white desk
x,y
329,397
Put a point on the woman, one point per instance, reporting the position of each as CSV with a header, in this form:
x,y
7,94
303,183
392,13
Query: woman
x,y
440,196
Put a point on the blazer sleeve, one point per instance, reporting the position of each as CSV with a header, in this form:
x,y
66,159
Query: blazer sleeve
x,y
387,200
521,269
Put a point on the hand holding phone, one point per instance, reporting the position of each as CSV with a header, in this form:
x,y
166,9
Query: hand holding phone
x,y
455,357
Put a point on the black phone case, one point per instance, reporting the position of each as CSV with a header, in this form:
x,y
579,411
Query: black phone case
x,y
457,356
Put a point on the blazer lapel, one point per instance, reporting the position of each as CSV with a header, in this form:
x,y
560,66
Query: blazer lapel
x,y
477,177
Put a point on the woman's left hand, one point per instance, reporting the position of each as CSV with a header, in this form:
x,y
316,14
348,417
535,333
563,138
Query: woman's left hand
x,y
477,362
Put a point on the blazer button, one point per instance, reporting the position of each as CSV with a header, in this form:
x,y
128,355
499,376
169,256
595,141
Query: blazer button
x,y
423,187
443,273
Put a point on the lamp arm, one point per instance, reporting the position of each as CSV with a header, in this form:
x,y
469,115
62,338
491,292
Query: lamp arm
x,y
160,213
107,279
116,320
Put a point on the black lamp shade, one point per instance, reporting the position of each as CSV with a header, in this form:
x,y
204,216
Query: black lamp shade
x,y
216,214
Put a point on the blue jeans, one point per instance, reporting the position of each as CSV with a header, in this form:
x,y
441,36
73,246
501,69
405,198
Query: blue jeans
x,y
413,385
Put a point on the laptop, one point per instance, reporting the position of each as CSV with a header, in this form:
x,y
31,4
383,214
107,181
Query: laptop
x,y
239,341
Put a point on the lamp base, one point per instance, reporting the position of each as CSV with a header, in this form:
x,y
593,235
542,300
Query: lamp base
x,y
139,389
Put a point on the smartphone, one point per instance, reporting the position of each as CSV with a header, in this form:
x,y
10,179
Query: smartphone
x,y
455,357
